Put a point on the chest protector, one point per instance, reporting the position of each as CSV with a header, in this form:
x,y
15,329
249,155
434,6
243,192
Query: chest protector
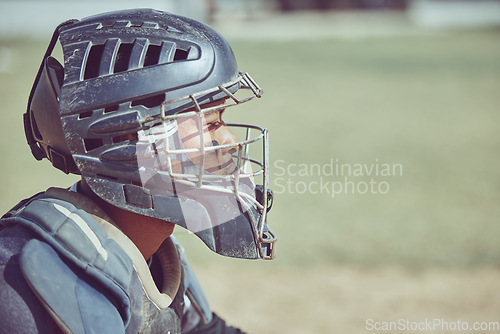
x,y
89,276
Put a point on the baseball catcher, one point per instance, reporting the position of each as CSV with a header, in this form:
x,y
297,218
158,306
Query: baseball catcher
x,y
136,109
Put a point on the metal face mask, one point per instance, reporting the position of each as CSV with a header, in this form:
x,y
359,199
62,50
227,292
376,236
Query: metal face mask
x,y
195,156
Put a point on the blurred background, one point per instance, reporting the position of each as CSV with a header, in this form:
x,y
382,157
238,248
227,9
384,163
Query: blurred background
x,y
405,93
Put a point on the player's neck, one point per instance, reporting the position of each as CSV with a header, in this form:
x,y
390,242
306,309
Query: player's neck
x,y
145,232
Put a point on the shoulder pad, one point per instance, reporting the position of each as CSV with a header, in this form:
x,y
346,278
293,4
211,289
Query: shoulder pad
x,y
75,305
78,242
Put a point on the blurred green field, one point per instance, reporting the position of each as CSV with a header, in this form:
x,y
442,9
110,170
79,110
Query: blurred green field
x,y
430,103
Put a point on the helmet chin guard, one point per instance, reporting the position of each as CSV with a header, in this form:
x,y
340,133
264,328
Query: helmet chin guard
x,y
132,111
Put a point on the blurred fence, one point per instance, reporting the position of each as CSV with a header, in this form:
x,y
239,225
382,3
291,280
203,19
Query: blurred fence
x,y
32,18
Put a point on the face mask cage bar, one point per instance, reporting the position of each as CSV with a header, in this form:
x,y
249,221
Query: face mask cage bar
x,y
243,173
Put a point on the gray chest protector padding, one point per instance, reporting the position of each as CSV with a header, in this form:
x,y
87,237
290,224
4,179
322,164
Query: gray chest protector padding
x,y
89,275
80,275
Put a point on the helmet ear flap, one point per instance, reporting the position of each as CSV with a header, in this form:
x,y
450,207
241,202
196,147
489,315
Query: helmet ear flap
x,y
42,121
51,75
30,126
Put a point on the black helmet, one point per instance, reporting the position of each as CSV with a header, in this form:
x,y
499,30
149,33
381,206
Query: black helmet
x,y
112,114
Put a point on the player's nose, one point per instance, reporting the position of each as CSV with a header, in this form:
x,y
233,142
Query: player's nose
x,y
224,137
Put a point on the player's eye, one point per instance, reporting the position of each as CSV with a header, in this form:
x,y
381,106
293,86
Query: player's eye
x,y
214,125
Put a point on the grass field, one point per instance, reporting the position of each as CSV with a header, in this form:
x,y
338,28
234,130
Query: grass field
x,y
428,247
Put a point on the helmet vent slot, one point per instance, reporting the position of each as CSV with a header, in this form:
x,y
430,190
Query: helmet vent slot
x,y
86,114
93,62
111,109
181,54
106,25
152,55
92,143
123,57
151,25
150,102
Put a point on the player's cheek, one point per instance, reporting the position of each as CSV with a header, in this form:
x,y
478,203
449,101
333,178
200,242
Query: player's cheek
x,y
209,138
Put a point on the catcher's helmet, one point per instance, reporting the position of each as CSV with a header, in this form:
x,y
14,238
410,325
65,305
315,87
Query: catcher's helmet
x,y
113,113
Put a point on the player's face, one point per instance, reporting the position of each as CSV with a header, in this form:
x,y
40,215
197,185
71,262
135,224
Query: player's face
x,y
214,132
